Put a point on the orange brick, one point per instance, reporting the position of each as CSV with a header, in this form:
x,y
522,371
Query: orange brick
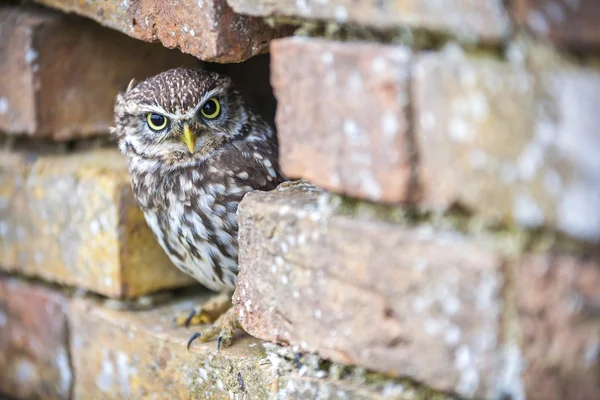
x,y
34,343
61,74
342,116
73,220
209,29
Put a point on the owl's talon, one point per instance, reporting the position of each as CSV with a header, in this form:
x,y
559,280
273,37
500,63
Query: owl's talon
x,y
191,315
224,339
194,337
224,327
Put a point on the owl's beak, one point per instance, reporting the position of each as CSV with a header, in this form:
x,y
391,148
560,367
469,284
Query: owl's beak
x,y
189,138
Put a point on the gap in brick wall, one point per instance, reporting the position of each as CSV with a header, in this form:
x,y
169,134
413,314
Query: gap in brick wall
x,y
415,38
252,79
505,236
419,39
47,146
144,302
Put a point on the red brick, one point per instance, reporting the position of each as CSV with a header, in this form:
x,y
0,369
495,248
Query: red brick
x,y
485,19
509,144
569,23
341,116
62,73
413,302
558,300
207,29
34,350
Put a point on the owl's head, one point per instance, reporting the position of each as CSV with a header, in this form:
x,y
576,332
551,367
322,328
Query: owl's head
x,y
177,116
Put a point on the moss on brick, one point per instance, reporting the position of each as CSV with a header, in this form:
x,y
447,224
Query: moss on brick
x,y
508,238
311,366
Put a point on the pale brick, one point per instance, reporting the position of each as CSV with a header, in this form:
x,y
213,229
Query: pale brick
x,y
558,300
208,29
413,302
341,117
485,19
139,355
61,74
34,350
507,144
73,220
570,23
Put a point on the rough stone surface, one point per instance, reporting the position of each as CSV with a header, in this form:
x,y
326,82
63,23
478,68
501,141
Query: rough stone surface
x,y
485,19
139,355
360,291
508,144
566,22
61,74
73,220
34,350
559,311
209,29
342,116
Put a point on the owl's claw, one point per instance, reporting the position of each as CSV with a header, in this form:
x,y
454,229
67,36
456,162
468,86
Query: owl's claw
x,y
194,337
188,320
225,327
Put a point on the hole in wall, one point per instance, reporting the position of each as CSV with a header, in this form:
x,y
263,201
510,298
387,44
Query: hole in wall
x,y
252,79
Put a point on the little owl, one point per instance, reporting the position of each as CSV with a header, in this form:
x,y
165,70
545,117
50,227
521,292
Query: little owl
x,y
194,149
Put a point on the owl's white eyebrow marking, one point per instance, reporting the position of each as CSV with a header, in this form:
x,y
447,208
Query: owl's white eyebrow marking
x,y
147,108
206,96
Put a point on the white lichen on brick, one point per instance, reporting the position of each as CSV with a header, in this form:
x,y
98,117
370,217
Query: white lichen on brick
x,y
3,105
30,55
25,371
526,211
64,371
538,22
105,380
340,14
591,353
509,379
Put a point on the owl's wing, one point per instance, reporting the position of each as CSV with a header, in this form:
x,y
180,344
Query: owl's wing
x,y
255,165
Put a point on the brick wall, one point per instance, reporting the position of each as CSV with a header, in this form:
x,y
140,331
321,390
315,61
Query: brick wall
x,y
443,240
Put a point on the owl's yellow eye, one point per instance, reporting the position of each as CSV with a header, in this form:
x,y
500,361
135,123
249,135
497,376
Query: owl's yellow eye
x,y
156,122
211,109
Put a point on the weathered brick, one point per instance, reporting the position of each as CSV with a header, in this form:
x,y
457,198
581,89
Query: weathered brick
x,y
407,301
485,19
209,29
509,144
62,73
34,350
570,23
73,220
558,300
137,354
341,116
